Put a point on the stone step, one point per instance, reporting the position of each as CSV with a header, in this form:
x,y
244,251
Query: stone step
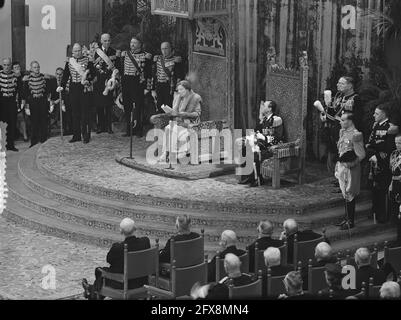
x,y
50,189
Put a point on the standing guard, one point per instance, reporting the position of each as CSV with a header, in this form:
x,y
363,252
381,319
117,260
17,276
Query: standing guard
x,y
379,148
105,65
80,71
10,87
346,100
36,91
136,73
66,108
167,71
395,188
348,169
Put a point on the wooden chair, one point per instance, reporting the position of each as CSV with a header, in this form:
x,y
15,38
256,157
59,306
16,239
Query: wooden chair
x,y
292,104
275,285
260,259
137,264
182,281
305,250
220,271
250,291
373,291
316,278
392,256
183,254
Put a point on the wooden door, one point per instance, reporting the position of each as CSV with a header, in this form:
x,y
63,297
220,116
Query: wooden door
x,y
86,20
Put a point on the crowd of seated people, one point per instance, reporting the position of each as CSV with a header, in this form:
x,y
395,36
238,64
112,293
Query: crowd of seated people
x,y
295,278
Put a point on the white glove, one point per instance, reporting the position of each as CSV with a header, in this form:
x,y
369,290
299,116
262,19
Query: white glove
x,y
260,136
59,89
373,159
323,117
146,92
63,108
51,108
154,94
28,112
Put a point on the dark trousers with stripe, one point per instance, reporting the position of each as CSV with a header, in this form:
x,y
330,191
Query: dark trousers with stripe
x,y
39,119
164,96
133,92
81,104
104,105
9,116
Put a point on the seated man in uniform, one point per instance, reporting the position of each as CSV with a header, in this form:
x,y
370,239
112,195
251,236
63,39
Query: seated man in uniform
x,y
228,243
334,290
115,258
268,132
219,291
365,271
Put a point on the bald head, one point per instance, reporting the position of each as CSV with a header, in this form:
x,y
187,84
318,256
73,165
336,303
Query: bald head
x,y
290,227
390,290
323,252
105,39
228,239
272,257
265,229
77,51
7,64
362,257
232,264
127,227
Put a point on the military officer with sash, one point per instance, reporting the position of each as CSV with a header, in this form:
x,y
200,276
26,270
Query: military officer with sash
x,y
36,92
346,100
136,71
379,148
167,72
395,187
10,88
105,65
80,71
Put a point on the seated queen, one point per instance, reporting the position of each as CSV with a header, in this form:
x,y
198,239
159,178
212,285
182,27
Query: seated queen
x,y
268,133
186,111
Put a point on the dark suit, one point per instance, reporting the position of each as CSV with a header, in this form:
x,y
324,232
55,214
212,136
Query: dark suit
x,y
277,271
317,264
338,293
363,274
164,255
115,258
263,244
220,290
305,235
212,264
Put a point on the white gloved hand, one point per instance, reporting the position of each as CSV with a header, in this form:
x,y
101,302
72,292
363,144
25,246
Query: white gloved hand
x,y
51,108
63,108
28,112
260,136
59,89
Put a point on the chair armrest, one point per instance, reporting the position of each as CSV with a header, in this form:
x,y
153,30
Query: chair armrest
x,y
153,291
113,276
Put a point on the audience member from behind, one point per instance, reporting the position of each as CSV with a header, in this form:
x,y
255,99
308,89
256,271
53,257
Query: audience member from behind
x,y
390,291
290,230
115,258
365,271
232,266
183,226
264,241
293,285
334,277
228,243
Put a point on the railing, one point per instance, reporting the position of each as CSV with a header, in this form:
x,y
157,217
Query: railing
x,y
190,9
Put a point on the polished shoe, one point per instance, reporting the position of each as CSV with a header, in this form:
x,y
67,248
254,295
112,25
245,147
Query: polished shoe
x,y
341,223
347,226
12,149
74,140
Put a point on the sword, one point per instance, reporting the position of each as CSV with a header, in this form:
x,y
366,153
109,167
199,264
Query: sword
x,y
61,116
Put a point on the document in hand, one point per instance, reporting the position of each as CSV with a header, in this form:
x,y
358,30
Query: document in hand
x,y
167,109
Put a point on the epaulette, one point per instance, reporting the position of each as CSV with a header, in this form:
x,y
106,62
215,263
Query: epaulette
x,y
124,53
25,78
156,58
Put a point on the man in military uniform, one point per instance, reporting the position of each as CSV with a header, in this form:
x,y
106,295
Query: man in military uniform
x,y
268,132
348,169
167,71
80,71
36,90
10,87
136,71
21,116
395,188
105,64
379,148
65,96
346,100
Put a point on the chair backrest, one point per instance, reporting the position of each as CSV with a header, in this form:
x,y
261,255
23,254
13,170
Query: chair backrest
x,y
393,257
305,250
275,285
260,259
250,291
373,291
183,279
188,253
292,104
221,272
316,278
140,264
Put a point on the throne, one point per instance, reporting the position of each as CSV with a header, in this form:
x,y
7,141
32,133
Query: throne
x,y
289,88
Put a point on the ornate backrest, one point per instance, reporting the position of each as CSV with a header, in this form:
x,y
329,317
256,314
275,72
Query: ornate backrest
x,y
316,278
289,89
275,285
183,279
141,263
188,253
221,273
